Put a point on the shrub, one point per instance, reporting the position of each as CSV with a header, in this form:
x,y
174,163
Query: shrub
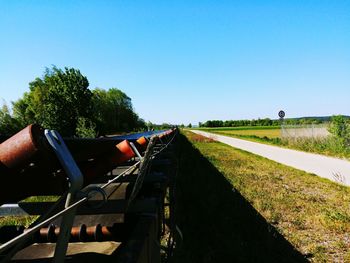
x,y
85,128
340,129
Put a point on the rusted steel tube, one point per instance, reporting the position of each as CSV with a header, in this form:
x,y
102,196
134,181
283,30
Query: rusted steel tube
x,y
84,149
107,232
87,148
94,233
141,143
125,152
22,147
47,234
77,233
99,167
33,178
80,233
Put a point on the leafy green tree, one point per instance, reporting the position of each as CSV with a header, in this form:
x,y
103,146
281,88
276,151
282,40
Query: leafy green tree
x,y
8,125
340,128
22,111
85,128
56,101
113,111
61,100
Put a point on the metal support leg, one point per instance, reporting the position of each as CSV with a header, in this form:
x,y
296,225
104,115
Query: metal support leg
x,y
76,182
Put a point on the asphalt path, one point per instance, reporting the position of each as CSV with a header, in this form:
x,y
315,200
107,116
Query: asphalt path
x,y
328,167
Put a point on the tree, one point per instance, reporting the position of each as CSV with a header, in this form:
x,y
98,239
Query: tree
x,y
340,129
85,128
61,100
8,125
22,111
113,112
56,101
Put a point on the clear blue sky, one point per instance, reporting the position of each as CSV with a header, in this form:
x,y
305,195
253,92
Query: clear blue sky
x,y
188,61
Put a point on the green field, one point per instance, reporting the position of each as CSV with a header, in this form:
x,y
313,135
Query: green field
x,y
269,133
272,135
241,202
263,134
243,128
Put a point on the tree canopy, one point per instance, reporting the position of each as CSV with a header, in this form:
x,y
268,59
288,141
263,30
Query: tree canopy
x,y
61,100
340,128
265,122
113,111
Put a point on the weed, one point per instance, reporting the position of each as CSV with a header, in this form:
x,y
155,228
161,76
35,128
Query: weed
x,y
200,138
339,178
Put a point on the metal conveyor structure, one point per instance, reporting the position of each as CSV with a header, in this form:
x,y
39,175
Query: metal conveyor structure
x,y
92,200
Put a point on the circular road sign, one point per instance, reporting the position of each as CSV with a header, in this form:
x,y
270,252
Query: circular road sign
x,y
281,114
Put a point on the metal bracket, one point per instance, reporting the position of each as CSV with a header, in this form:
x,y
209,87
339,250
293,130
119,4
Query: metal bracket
x,y
90,193
76,182
136,151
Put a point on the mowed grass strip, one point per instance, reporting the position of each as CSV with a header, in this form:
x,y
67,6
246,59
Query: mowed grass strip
x,y
310,212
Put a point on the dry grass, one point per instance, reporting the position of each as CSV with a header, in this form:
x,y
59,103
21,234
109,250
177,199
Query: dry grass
x,y
310,212
200,138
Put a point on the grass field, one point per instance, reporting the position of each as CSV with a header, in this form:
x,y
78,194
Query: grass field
x,y
231,203
256,132
243,128
269,133
272,135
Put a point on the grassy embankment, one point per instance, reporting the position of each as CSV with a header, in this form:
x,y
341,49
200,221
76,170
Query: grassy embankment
x,y
233,206
272,135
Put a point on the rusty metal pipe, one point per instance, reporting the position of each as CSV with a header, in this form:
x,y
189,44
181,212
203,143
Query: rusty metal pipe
x,y
94,233
22,147
27,158
121,153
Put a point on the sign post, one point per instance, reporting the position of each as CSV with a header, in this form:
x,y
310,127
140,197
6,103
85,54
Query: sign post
x,y
281,114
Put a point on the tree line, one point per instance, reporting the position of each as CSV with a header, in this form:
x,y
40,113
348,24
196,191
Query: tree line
x,y
239,123
61,100
265,122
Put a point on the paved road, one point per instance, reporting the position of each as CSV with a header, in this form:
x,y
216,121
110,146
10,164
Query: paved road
x,y
328,167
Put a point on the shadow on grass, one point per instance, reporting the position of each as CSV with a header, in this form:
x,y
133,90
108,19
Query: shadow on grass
x,y
218,224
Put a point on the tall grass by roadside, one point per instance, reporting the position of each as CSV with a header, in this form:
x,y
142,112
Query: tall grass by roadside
x,y
312,213
331,145
336,144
